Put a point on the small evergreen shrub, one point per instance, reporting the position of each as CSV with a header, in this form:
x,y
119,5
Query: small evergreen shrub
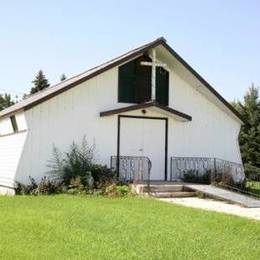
x,y
193,176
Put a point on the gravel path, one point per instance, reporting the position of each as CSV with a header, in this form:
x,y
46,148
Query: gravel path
x,y
219,206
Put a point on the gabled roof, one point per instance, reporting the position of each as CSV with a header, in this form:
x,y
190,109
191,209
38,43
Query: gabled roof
x,y
74,81
175,113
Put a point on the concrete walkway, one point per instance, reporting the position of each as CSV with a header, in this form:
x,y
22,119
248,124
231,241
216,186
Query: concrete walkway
x,y
226,195
218,206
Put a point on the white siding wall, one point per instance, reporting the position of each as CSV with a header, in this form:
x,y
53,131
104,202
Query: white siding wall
x,y
5,126
75,113
11,148
212,133
21,121
67,118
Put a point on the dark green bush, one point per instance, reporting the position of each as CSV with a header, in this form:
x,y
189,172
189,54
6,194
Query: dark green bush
x,y
194,177
252,172
102,175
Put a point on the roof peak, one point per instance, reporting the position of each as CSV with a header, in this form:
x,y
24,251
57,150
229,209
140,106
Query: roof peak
x,y
54,90
161,39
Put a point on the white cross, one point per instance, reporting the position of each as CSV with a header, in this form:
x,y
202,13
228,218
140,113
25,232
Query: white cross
x,y
153,64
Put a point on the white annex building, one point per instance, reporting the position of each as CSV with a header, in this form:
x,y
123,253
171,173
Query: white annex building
x,y
147,103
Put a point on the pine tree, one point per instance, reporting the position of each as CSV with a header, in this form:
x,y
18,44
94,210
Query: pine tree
x,y
40,82
5,101
249,137
62,77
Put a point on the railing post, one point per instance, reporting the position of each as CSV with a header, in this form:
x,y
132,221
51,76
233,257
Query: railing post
x,y
171,169
149,174
117,167
215,170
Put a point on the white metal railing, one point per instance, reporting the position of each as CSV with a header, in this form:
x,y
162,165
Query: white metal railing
x,y
132,168
202,165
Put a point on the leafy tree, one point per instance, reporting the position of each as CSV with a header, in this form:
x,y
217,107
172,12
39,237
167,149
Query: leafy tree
x,y
62,77
40,82
5,101
249,137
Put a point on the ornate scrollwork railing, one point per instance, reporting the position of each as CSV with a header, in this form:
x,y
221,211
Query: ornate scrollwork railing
x,y
132,168
202,165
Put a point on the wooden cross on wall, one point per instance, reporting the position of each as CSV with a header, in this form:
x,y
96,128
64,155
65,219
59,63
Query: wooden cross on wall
x,y
153,64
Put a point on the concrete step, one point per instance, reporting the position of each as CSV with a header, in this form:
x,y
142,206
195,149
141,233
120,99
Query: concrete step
x,y
176,194
164,188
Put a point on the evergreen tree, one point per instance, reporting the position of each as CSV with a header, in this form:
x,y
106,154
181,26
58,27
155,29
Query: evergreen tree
x,y
40,82
249,138
5,101
62,77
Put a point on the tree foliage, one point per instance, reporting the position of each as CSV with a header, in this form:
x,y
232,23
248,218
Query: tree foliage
x,y
249,137
40,82
5,101
63,77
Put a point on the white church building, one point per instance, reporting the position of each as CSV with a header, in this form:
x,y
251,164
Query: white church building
x,y
145,105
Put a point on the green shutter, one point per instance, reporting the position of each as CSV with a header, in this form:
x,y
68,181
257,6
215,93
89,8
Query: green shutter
x,y
134,81
126,82
143,80
162,86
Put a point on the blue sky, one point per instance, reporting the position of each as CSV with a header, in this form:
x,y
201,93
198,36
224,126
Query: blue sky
x,y
220,39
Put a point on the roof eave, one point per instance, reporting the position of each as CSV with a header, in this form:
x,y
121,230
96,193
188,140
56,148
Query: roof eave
x,y
177,114
141,50
204,82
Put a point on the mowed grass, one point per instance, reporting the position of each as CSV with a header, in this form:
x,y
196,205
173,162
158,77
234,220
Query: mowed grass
x,y
75,227
254,187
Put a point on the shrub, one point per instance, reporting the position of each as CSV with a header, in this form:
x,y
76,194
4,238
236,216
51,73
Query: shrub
x,y
252,172
45,187
21,189
194,177
110,190
76,186
114,190
76,183
122,190
102,175
226,180
78,164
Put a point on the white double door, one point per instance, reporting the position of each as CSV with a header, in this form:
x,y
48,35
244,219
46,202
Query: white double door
x,y
144,137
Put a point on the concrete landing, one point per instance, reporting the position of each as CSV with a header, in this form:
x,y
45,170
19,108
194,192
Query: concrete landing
x,y
222,194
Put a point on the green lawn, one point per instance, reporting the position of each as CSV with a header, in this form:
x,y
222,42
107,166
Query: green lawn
x,y
254,187
74,227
